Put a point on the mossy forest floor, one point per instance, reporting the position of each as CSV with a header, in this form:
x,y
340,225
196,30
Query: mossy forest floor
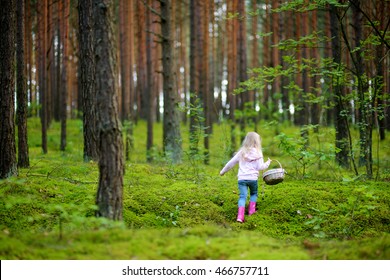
x,y
188,211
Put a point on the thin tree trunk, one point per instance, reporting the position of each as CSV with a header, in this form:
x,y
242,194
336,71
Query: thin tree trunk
x,y
341,122
149,98
242,63
42,23
64,74
23,157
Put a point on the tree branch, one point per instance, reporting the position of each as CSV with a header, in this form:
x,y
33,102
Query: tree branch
x,y
151,9
382,37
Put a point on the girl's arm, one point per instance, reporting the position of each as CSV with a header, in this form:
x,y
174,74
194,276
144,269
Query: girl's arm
x,y
261,165
231,163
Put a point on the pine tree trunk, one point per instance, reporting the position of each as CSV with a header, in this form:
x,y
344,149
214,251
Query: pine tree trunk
x,y
341,125
64,74
87,80
21,114
8,163
42,69
111,166
149,98
171,122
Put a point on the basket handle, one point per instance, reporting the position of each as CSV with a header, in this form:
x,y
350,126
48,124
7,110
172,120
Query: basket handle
x,y
277,162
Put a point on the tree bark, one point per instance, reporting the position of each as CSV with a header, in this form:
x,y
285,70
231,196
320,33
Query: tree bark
x,y
149,98
64,74
111,163
171,122
23,156
42,69
341,122
8,163
87,79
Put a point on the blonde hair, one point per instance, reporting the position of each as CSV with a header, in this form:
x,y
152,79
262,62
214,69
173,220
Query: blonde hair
x,y
252,140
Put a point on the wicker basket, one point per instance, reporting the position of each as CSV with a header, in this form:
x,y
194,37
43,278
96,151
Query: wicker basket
x,y
274,176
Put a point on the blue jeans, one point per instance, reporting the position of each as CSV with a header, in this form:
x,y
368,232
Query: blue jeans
x,y
243,186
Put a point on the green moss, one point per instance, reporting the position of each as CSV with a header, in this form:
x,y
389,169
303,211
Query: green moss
x,y
188,211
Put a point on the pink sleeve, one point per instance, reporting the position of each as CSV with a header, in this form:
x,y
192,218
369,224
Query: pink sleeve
x,y
261,165
231,163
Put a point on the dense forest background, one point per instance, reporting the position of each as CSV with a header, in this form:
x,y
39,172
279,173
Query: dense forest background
x,y
311,64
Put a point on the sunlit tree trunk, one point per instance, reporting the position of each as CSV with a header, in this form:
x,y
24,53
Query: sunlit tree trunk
x,y
111,162
8,162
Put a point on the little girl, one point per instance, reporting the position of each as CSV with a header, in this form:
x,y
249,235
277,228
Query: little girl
x,y
250,160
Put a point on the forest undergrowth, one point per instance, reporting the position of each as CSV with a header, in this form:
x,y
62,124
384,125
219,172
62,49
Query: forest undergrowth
x,y
187,211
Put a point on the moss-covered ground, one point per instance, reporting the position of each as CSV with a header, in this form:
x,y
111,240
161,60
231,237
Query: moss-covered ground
x,y
187,211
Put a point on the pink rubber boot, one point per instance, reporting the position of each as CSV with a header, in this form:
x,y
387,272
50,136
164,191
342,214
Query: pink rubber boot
x,y
241,214
252,208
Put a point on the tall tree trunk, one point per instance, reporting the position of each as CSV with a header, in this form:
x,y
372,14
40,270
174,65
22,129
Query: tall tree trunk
x,y
341,122
49,62
379,85
141,61
130,30
206,82
23,157
124,59
111,162
29,58
87,79
315,111
266,57
8,163
231,28
64,74
171,122
149,98
305,83
194,77
42,69
275,90
365,113
242,64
